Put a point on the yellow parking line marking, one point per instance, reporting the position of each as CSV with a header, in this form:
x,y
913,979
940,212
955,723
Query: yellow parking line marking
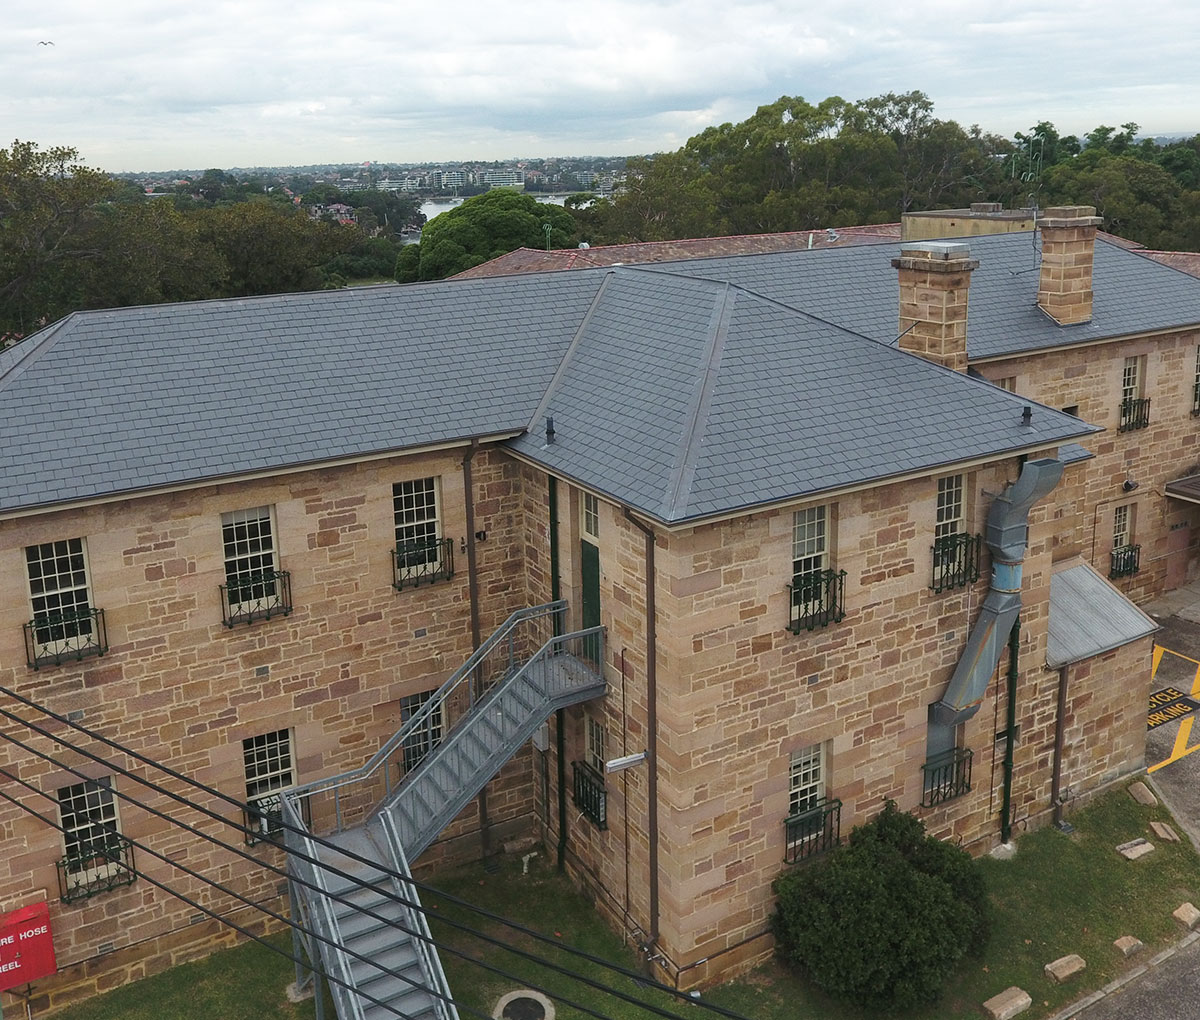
x,y
1181,749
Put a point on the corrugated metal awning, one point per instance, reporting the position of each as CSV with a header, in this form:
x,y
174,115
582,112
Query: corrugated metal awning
x,y
1187,489
1088,617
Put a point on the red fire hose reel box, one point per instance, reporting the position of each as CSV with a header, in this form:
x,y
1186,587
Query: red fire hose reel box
x,y
26,946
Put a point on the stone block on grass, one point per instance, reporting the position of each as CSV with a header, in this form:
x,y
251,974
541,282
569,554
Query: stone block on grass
x,y
1007,1004
1065,967
1127,945
1141,793
1163,831
1135,848
1187,915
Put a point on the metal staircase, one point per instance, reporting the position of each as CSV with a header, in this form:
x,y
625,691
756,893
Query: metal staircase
x,y
367,929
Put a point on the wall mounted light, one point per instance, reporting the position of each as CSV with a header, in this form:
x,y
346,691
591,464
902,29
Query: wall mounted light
x,y
1129,485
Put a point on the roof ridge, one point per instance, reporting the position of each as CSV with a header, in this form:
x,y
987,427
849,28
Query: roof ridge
x,y
25,352
552,385
681,483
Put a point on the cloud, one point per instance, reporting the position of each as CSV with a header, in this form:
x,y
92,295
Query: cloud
x,y
143,85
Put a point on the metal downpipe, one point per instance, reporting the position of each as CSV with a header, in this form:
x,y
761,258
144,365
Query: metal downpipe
x,y
1010,731
560,718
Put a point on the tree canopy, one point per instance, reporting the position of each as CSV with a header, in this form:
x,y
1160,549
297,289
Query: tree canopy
x,y
483,228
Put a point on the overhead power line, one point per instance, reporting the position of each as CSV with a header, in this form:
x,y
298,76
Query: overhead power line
x,y
354,879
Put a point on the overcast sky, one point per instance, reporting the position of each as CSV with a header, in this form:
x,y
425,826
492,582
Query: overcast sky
x,y
137,85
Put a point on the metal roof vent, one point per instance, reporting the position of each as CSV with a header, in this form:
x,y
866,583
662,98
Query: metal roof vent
x,y
549,430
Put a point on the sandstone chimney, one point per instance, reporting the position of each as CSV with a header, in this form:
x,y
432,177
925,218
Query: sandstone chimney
x,y
934,279
1068,250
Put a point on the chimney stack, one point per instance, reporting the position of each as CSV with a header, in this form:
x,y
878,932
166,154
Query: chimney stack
x,y
934,279
1068,250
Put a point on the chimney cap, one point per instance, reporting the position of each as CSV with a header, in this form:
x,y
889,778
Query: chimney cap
x,y
1069,216
944,250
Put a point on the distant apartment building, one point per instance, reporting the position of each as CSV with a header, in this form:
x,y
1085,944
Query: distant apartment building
x,y
505,179
446,179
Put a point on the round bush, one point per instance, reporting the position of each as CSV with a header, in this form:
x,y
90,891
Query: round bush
x,y
884,920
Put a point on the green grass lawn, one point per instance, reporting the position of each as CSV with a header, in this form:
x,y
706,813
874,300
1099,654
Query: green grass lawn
x,y
1061,894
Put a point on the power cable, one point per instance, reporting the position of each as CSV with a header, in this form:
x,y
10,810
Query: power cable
x,y
354,879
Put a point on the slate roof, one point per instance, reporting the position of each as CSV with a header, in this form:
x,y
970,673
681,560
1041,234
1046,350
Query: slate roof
x,y
857,287
680,396
1089,617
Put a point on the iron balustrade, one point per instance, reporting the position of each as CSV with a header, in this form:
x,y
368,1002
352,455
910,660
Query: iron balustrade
x,y
1125,561
415,563
1135,414
589,793
262,818
96,868
946,776
256,596
955,561
65,634
815,599
814,831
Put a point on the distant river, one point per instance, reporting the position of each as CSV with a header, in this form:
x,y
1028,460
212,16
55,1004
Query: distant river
x,y
432,208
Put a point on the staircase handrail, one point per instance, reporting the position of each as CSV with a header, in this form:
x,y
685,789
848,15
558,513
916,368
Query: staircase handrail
x,y
304,852
423,944
419,720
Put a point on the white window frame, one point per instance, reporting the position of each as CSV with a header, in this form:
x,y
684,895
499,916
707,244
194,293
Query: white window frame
x,y
1131,378
417,517
246,553
595,744
1123,526
806,779
810,549
269,765
425,737
58,582
86,810
589,518
950,520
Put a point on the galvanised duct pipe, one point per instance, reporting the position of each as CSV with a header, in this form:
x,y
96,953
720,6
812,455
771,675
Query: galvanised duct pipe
x,y
1007,536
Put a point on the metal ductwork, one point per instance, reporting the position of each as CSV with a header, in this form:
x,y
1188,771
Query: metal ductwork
x,y
1007,536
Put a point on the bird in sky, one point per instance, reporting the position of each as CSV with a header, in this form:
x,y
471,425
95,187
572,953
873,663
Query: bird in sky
x,y
45,42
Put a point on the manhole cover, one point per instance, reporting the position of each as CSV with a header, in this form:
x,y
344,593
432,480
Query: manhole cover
x,y
524,1004
524,1008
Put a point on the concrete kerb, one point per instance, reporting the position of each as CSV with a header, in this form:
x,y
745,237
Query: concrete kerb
x,y
1131,975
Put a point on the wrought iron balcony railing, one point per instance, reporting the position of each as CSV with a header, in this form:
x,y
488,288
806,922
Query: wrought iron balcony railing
x,y
1135,414
946,776
955,561
815,599
256,596
263,818
66,634
589,794
814,831
1125,561
415,563
94,869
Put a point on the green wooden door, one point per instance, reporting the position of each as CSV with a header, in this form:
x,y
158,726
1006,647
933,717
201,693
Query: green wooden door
x,y
589,570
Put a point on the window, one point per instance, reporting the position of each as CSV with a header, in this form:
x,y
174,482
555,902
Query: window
x,y
255,588
427,731
589,522
268,763
1072,410
597,739
97,858
1196,386
1135,409
589,794
1009,383
946,773
955,553
64,624
813,824
816,590
1125,557
421,553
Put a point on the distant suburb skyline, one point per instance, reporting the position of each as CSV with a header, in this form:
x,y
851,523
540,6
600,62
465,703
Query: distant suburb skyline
x,y
141,85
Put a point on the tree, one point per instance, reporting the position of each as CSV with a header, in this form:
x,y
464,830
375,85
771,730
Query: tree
x,y
48,202
884,920
488,226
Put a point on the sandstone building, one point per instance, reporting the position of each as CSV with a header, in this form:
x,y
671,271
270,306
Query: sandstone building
x,y
783,510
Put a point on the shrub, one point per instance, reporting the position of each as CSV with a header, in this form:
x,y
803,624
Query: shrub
x,y
884,920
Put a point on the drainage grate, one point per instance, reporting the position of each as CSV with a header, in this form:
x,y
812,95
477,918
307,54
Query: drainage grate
x,y
524,1004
